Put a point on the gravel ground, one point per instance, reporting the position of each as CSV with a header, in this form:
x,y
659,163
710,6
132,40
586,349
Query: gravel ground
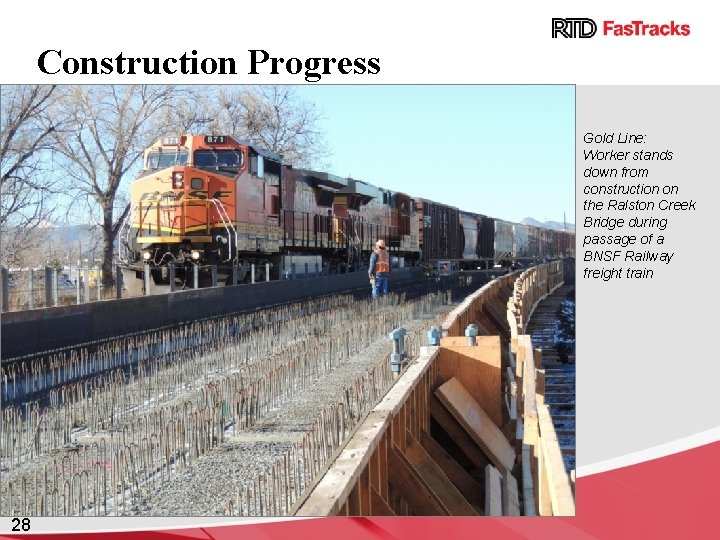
x,y
215,478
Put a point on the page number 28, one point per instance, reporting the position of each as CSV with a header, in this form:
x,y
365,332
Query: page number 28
x,y
21,524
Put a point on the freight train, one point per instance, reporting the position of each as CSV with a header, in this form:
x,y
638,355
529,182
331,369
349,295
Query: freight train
x,y
210,208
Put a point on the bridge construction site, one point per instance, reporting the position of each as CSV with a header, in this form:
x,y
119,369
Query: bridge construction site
x,y
456,397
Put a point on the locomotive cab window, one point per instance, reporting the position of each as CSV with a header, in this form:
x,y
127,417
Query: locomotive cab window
x,y
160,160
219,158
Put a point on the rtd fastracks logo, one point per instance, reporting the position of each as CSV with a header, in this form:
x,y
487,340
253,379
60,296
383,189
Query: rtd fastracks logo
x,y
587,28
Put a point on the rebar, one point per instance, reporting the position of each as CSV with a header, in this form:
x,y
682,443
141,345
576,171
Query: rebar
x,y
130,415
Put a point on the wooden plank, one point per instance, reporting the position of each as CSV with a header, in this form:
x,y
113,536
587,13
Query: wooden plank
x,y
440,485
374,468
520,359
488,326
393,500
519,432
512,384
510,429
510,499
363,485
383,461
414,492
422,405
332,491
395,429
353,501
507,358
512,319
538,356
466,484
477,424
528,488
378,507
457,433
558,482
453,341
493,491
542,489
403,425
498,316
530,421
330,494
413,424
478,369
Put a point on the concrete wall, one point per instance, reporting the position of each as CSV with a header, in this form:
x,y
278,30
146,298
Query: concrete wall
x,y
30,332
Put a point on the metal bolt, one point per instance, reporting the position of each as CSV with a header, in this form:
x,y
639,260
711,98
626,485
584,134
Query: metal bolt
x,y
434,335
471,333
396,358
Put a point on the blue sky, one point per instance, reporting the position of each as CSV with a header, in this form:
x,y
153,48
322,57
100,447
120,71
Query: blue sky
x,y
503,151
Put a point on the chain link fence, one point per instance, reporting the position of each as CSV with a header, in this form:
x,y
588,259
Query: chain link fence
x,y
42,287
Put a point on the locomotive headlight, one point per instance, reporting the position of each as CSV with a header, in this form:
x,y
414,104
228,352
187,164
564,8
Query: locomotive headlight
x,y
178,180
194,254
146,255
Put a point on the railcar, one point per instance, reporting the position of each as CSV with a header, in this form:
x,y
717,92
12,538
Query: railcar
x,y
441,235
486,238
521,242
503,241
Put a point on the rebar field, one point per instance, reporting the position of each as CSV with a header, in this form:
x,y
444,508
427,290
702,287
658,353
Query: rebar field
x,y
235,416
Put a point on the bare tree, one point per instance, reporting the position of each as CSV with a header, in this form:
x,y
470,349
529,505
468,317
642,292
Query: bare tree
x,y
273,116
108,127
194,110
26,192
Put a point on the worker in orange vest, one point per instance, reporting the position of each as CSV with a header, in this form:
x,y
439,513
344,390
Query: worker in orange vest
x,y
379,269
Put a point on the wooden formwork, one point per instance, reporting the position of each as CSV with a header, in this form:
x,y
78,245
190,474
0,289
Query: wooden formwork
x,y
529,289
547,489
462,432
476,309
395,464
547,486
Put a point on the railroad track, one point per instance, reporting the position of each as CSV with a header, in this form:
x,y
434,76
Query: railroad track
x,y
552,331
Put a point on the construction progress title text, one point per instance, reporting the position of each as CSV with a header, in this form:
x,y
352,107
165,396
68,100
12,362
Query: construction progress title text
x,y
260,62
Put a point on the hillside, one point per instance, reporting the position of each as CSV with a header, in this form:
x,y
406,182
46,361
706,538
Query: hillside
x,y
556,225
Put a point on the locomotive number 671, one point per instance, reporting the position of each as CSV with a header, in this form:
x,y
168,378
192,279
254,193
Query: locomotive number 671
x,y
211,201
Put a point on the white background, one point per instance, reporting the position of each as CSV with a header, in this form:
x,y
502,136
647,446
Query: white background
x,y
454,42
417,42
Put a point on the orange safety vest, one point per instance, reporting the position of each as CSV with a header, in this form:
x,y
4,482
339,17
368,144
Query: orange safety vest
x,y
383,262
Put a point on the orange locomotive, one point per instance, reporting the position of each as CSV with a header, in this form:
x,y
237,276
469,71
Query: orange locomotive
x,y
226,206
